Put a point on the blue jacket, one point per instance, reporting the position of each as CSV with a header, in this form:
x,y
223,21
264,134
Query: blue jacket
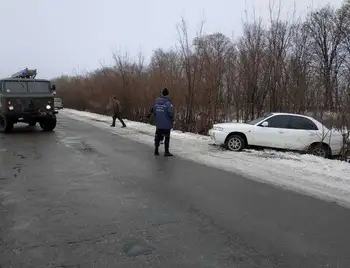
x,y
164,113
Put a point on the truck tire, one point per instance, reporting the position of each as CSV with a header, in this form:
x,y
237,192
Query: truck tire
x,y
48,124
5,124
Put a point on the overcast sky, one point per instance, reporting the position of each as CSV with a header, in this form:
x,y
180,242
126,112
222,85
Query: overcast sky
x,y
74,36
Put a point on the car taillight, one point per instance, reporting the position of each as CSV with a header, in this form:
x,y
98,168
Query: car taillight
x,y
9,102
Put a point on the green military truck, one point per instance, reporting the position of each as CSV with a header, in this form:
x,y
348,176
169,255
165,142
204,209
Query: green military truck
x,y
23,98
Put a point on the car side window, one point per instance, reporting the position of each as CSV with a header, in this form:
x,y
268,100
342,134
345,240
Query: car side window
x,y
298,122
278,121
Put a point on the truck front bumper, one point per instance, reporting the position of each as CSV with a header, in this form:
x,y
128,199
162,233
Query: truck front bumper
x,y
28,116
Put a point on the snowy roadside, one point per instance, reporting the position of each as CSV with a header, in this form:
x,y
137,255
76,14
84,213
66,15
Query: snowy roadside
x,y
322,178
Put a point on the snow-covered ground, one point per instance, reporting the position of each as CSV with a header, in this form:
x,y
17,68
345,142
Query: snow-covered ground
x,y
323,178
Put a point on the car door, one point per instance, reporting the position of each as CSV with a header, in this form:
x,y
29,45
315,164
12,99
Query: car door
x,y
272,135
302,132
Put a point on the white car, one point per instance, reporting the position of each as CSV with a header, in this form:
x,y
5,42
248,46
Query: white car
x,y
280,131
58,104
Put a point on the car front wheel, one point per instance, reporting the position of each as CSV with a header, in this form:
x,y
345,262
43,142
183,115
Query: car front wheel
x,y
235,143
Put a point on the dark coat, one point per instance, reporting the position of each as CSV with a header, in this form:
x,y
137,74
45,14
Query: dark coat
x,y
164,113
114,107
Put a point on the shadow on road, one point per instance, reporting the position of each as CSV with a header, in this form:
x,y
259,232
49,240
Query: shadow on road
x,y
25,129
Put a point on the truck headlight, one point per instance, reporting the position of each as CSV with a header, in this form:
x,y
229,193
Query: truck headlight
x,y
11,108
48,107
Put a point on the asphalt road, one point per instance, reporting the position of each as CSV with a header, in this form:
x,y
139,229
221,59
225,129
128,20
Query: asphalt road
x,y
84,197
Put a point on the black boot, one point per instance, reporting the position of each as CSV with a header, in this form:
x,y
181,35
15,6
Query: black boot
x,y
113,121
122,121
156,144
167,154
166,147
156,151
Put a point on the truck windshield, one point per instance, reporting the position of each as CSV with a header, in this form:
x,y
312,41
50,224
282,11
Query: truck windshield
x,y
15,87
38,87
27,86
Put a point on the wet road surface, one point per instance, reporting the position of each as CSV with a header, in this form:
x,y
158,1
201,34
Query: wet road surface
x,y
84,197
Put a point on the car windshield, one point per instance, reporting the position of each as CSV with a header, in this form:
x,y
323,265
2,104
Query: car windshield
x,y
27,86
259,119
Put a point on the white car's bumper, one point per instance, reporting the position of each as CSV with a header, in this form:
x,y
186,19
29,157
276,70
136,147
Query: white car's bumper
x,y
336,149
336,145
217,136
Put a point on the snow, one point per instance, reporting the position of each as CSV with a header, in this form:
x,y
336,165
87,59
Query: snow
x,y
322,178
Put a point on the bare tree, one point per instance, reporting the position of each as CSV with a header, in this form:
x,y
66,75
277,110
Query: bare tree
x,y
252,55
213,50
192,68
325,27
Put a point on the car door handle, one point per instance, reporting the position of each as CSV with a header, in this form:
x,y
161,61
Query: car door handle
x,y
281,132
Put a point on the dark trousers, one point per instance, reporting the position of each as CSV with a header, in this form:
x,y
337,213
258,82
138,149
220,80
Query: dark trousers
x,y
159,136
114,117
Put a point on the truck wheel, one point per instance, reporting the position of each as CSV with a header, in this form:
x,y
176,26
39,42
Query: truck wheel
x,y
48,124
5,124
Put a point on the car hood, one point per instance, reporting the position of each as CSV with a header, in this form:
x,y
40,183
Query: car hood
x,y
236,126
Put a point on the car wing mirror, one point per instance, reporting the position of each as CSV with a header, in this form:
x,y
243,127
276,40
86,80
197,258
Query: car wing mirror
x,y
264,124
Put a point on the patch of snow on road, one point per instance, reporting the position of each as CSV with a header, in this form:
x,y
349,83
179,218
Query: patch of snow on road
x,y
327,179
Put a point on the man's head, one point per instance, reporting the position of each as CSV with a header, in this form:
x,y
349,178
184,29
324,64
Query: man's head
x,y
114,98
165,92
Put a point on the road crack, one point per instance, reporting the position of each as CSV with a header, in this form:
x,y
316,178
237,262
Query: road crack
x,y
74,242
95,239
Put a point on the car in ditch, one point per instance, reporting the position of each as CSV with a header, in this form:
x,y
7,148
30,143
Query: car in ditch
x,y
58,104
285,131
23,98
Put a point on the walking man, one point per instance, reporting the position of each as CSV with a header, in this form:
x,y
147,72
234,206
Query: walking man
x,y
116,111
164,114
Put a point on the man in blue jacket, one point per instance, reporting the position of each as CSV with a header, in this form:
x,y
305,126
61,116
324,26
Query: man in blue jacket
x,y
163,112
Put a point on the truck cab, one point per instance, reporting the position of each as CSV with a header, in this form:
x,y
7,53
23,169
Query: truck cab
x,y
23,98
